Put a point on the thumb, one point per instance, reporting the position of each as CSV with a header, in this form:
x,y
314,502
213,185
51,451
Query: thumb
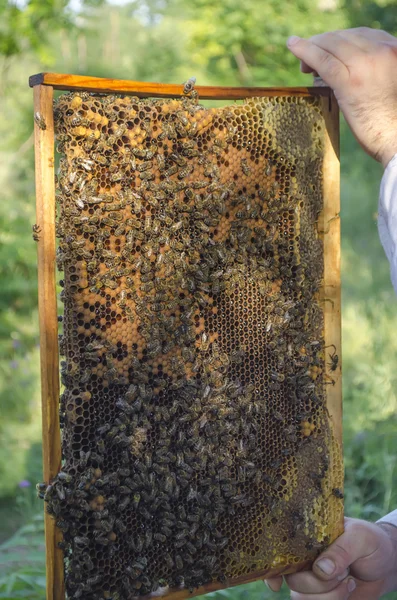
x,y
359,541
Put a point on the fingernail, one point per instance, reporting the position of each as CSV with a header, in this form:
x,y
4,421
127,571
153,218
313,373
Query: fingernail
x,y
270,587
343,576
326,565
351,585
294,39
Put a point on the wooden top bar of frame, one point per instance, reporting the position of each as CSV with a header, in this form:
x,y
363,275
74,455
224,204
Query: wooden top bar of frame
x,y
84,83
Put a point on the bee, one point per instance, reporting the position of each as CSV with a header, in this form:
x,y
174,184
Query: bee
x,y
171,171
76,244
144,166
333,364
147,176
102,540
277,377
244,167
194,96
185,172
85,163
160,162
211,171
220,143
268,169
120,525
65,547
40,121
146,126
178,562
93,580
76,514
314,545
66,477
338,493
191,152
217,150
290,433
36,229
41,490
81,541
119,131
183,119
63,526
179,160
99,158
188,85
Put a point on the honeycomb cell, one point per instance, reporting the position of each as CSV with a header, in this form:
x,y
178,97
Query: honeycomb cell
x,y
196,440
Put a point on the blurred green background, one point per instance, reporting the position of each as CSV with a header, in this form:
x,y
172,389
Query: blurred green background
x,y
228,42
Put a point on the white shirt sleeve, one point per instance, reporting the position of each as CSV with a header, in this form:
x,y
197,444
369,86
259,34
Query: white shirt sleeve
x,y
391,518
387,216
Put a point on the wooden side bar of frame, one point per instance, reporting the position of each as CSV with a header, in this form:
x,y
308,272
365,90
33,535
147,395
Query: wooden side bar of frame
x,y
48,323
329,229
330,223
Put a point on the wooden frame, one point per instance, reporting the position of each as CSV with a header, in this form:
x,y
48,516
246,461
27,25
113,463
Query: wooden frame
x,y
44,84
48,321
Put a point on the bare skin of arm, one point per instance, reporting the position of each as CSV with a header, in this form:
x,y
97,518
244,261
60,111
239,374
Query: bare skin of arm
x,y
360,65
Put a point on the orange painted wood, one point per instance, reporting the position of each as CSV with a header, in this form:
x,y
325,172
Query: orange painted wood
x,y
48,322
165,90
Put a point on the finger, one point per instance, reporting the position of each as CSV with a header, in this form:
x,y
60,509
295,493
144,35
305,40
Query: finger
x,y
369,36
359,541
305,68
342,592
306,582
342,48
364,42
274,583
327,66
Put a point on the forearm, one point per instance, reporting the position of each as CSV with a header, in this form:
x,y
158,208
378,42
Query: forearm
x,y
389,525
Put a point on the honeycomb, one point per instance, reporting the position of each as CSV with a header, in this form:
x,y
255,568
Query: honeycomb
x,y
196,442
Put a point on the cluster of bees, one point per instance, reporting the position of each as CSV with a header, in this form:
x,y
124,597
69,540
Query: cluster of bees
x,y
196,443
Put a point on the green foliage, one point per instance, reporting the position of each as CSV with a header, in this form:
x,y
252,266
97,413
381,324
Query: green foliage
x,y
228,43
244,42
380,14
22,573
25,28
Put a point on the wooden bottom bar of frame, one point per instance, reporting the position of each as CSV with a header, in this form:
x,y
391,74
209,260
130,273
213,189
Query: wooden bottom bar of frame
x,y
183,593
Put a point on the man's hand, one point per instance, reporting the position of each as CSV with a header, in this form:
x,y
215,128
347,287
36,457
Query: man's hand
x,y
360,65
360,565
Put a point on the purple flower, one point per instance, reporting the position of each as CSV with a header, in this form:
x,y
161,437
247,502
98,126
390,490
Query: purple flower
x,y
24,483
14,364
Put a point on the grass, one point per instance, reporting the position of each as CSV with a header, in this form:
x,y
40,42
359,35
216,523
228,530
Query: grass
x,y
22,559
